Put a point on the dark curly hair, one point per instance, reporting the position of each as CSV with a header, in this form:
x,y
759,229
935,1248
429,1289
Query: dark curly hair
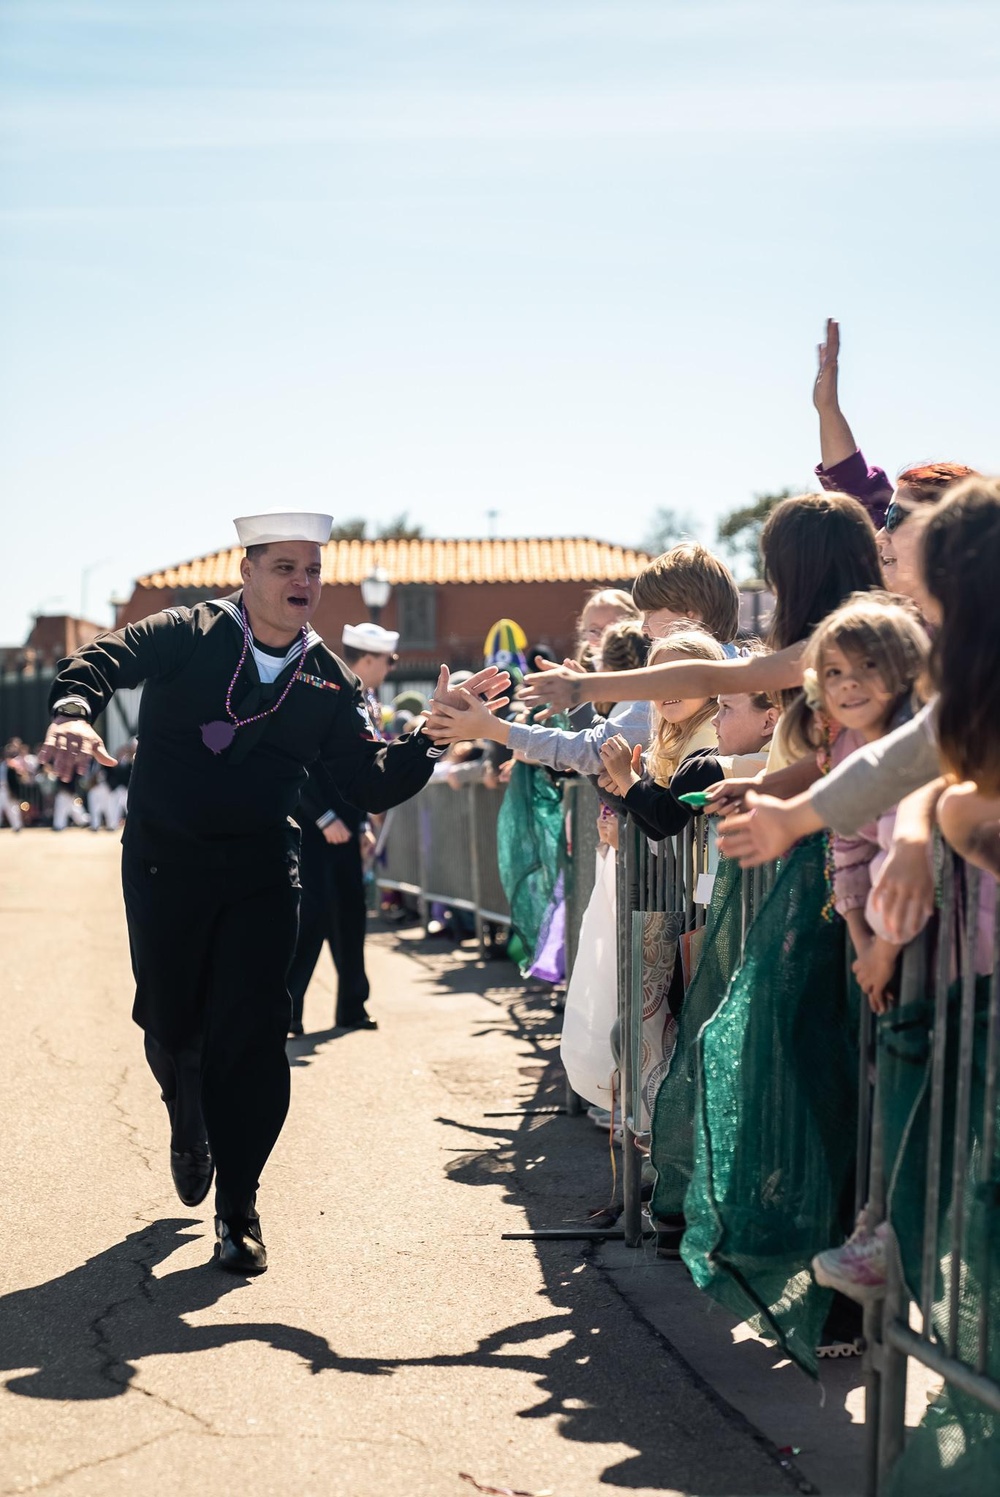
x,y
624,647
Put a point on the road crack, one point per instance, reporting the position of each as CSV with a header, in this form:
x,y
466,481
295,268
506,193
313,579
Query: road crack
x,y
64,1062
118,1370
129,1129
102,1460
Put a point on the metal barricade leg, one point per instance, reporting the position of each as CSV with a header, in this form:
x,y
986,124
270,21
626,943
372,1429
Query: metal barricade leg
x,y
891,1418
631,1158
885,1365
628,899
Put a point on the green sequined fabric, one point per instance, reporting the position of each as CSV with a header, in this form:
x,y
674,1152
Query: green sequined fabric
x,y
672,1142
776,1116
531,842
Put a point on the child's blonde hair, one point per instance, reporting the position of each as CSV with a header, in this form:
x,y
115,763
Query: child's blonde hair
x,y
876,626
610,597
668,740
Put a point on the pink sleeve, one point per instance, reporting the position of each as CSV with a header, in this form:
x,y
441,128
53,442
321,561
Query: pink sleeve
x,y
852,858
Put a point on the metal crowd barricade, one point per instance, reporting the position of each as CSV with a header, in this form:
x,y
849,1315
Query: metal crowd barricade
x,y
398,850
582,805
652,877
956,1057
440,847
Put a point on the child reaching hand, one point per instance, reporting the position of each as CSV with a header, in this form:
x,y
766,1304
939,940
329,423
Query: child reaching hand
x,y
743,724
683,731
863,665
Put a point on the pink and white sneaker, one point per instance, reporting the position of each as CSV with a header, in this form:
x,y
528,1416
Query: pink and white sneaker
x,y
857,1269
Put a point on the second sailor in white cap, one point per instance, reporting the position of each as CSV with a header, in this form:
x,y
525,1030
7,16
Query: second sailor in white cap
x,y
333,908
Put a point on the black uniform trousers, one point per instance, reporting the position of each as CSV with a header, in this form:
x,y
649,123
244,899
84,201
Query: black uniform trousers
x,y
333,909
211,941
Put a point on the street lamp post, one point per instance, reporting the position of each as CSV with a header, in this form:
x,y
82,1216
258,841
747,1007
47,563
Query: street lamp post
x,y
376,590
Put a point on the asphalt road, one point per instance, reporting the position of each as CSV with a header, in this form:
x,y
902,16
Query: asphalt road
x,y
396,1342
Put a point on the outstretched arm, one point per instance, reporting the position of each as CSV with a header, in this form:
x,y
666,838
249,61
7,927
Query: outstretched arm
x,y
680,678
971,823
836,440
89,679
766,829
870,781
467,717
376,776
842,466
877,776
903,893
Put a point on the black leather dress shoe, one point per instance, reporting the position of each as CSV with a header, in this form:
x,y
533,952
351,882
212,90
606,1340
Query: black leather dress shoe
x,y
240,1246
363,1023
192,1171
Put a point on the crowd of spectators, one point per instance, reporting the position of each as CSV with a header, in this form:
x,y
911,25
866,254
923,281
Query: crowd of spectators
x,y
31,796
861,735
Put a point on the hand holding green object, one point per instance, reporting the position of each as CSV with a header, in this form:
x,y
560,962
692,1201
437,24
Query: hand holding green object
x,y
696,799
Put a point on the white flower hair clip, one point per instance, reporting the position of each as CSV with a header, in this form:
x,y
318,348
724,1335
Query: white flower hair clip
x,y
810,689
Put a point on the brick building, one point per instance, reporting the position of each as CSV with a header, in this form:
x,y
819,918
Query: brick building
x,y
445,593
27,672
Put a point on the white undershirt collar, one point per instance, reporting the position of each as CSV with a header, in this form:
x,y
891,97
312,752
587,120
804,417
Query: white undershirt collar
x,y
269,667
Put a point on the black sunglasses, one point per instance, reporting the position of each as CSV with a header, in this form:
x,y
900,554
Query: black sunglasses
x,y
894,516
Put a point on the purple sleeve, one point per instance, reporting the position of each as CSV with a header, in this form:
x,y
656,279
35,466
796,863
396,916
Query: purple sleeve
x,y
853,476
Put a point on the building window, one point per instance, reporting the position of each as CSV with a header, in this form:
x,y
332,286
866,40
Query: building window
x,y
417,616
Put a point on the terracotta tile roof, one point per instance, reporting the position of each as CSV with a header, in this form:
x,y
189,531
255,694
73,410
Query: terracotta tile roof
x,y
535,559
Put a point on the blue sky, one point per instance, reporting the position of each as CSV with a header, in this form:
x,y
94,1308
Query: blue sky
x,y
561,260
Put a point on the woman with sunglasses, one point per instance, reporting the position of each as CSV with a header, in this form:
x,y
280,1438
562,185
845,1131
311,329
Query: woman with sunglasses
x,y
915,487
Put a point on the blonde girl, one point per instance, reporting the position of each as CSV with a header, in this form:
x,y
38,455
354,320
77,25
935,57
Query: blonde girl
x,y
683,728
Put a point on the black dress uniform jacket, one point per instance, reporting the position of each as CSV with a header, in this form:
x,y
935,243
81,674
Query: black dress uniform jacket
x,y
235,803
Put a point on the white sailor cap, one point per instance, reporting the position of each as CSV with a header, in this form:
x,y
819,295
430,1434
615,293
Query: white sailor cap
x,y
370,638
283,525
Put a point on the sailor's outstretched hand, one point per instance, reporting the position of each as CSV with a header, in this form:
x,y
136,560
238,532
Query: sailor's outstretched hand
x,y
69,748
489,684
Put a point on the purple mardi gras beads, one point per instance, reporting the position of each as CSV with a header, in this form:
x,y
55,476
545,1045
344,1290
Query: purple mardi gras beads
x,y
218,735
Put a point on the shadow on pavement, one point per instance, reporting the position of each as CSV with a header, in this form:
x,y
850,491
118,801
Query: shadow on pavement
x,y
303,1049
612,1379
602,1372
84,1331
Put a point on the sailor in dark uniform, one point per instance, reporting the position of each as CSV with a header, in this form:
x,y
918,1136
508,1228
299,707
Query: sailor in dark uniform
x,y
333,907
240,696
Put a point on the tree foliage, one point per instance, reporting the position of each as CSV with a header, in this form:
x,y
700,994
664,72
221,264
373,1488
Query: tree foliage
x,y
739,531
349,530
398,529
666,528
